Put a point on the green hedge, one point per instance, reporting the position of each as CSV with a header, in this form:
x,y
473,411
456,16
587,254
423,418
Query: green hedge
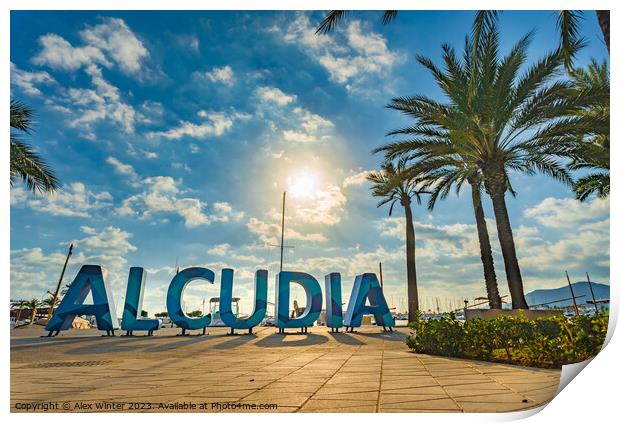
x,y
544,342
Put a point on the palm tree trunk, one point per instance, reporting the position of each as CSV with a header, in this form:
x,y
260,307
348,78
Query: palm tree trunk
x,y
486,255
412,280
604,23
506,240
33,315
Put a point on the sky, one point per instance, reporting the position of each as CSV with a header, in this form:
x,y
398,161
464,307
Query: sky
x,y
175,133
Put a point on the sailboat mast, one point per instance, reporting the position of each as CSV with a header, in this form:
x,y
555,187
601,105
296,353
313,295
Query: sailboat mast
x,y
282,234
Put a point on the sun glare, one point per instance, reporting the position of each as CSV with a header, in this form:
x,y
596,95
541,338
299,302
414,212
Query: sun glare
x,y
303,185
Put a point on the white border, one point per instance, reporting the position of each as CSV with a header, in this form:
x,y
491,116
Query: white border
x,y
590,396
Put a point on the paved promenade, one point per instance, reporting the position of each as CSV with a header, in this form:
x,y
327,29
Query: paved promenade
x,y
368,371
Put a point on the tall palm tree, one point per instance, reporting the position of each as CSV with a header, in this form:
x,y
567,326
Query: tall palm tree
x,y
388,186
25,162
439,172
496,112
33,304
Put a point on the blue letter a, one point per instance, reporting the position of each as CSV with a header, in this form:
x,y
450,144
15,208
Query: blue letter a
x,y
367,286
89,279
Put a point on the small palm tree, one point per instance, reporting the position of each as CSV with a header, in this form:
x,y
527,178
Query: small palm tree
x,y
498,114
33,304
25,162
391,188
19,304
64,290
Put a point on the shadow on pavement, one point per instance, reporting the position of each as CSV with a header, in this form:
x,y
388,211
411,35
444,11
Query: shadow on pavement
x,y
387,336
345,338
279,340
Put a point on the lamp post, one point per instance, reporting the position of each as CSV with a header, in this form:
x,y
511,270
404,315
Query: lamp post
x,y
62,274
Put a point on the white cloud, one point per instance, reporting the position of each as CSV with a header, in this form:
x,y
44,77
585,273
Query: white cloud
x,y
269,233
218,123
125,170
115,38
33,270
275,95
567,212
101,104
27,81
110,240
311,127
325,207
163,196
109,42
151,111
585,248
72,200
223,75
458,240
225,250
190,41
58,53
302,126
352,56
356,179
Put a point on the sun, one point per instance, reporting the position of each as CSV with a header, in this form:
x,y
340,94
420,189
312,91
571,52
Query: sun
x,y
304,184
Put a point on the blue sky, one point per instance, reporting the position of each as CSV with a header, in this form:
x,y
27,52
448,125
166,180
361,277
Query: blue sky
x,y
175,133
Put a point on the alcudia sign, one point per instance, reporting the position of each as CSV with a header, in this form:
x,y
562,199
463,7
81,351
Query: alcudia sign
x,y
91,279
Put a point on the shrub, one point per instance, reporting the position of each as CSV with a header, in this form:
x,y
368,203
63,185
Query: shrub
x,y
543,342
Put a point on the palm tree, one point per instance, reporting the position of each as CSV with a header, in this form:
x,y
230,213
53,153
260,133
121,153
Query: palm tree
x,y
593,83
392,189
440,172
19,304
33,304
65,289
49,301
497,114
25,162
588,128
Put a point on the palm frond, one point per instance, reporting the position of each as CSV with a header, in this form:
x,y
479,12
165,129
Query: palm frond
x,y
21,116
330,21
27,165
388,16
596,183
569,22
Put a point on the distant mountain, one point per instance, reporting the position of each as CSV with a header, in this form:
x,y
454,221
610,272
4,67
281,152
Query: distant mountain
x,y
540,296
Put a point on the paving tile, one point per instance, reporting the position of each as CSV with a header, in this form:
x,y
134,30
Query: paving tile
x,y
444,404
317,373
